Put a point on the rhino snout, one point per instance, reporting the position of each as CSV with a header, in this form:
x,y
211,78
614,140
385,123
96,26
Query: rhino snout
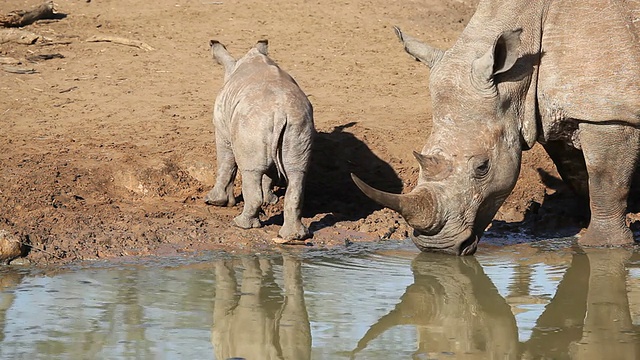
x,y
462,244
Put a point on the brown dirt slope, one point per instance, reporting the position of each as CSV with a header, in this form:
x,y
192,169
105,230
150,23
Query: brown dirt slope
x,y
108,149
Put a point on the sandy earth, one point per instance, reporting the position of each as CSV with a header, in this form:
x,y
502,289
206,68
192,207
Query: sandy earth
x,y
108,151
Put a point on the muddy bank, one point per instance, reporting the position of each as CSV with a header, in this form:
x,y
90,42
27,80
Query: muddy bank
x,y
108,149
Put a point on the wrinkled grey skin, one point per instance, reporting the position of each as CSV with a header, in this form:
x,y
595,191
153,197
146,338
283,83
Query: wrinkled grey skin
x,y
264,127
563,73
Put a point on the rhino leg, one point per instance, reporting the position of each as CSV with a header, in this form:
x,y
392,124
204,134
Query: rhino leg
x,y
293,229
252,194
569,162
268,197
222,192
611,154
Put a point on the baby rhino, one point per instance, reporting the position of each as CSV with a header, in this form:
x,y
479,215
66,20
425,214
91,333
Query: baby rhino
x,y
264,127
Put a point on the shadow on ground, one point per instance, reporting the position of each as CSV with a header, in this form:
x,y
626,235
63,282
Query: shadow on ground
x,y
329,188
562,213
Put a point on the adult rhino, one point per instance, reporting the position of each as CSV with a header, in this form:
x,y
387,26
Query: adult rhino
x,y
561,72
264,127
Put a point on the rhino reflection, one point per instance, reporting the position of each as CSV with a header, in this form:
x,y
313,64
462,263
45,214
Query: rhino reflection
x,y
455,308
608,329
258,320
561,322
589,317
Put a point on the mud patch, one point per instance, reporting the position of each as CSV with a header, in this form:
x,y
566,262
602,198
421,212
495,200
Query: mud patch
x,y
108,150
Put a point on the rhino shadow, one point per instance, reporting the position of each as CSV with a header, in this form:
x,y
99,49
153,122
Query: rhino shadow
x,y
563,213
329,189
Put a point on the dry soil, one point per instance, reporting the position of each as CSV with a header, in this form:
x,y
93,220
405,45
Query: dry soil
x,y
108,149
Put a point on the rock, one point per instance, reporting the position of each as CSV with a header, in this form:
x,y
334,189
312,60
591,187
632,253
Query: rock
x,y
281,241
10,247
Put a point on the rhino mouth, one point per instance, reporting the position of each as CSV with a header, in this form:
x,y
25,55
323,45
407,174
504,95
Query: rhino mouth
x,y
465,243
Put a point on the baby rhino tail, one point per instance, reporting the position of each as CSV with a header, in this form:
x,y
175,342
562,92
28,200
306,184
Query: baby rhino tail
x,y
279,126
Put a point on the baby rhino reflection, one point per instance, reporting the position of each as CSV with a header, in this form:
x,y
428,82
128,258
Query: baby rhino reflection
x,y
258,321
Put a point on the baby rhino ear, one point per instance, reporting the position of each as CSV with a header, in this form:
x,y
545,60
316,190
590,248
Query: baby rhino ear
x,y
222,56
263,46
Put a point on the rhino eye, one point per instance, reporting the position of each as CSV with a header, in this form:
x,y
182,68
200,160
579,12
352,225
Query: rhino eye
x,y
482,168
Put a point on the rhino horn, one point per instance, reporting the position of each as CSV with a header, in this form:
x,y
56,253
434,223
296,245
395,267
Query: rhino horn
x,y
222,56
434,167
419,50
418,208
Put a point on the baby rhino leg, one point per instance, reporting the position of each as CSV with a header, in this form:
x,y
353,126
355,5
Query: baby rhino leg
x,y
222,192
293,229
269,198
252,194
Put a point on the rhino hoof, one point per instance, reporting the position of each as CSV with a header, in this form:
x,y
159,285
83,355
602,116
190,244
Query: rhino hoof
x,y
246,223
215,202
598,237
299,232
224,200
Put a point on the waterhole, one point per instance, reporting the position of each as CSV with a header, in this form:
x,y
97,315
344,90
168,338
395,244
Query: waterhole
x,y
529,301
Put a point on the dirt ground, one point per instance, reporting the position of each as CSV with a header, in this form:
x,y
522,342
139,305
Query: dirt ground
x,y
108,149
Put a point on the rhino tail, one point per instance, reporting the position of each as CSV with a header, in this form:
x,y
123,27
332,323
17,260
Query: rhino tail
x,y
279,126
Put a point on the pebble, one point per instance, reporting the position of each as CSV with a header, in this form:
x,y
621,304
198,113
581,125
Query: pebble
x,y
10,247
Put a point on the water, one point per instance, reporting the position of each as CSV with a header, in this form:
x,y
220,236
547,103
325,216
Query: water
x,y
519,302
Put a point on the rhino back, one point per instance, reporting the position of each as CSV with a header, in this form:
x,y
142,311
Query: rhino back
x,y
256,105
258,90
585,57
590,65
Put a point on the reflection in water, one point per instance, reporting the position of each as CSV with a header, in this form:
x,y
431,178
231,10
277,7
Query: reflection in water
x,y
562,320
378,306
457,311
455,308
258,322
608,330
8,281
589,317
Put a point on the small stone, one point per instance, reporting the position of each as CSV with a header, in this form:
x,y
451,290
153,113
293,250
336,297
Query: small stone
x,y
20,261
10,247
279,240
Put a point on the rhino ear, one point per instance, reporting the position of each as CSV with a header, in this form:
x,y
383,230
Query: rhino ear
x,y
500,58
263,46
419,50
222,56
506,51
